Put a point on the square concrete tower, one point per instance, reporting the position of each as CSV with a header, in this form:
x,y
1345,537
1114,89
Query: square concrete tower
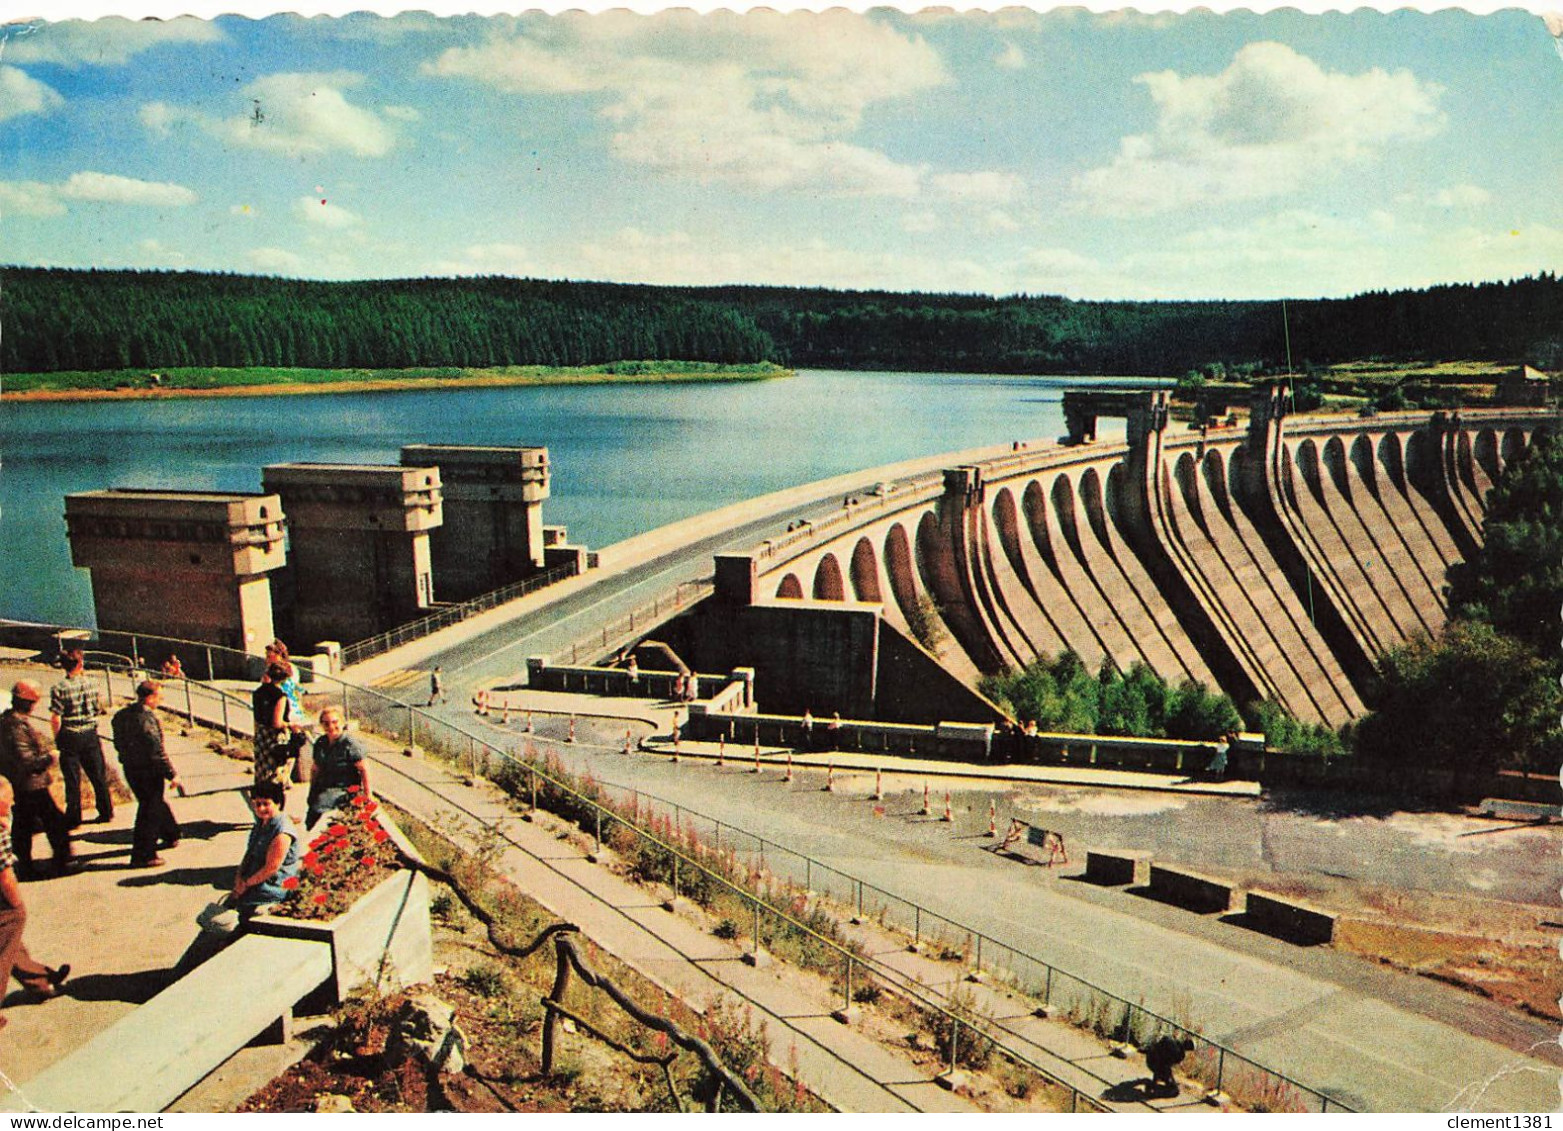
x,y
358,547
186,564
493,531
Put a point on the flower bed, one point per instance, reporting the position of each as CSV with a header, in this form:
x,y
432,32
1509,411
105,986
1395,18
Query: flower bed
x,y
355,892
348,857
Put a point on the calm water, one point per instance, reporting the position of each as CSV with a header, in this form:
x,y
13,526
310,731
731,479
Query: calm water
x,y
626,459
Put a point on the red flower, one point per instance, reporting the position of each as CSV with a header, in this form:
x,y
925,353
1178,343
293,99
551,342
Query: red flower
x,y
353,788
338,829
311,859
381,836
321,897
369,807
291,883
368,860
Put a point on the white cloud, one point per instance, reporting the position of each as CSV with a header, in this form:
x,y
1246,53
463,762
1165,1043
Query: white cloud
x,y
488,259
108,42
1273,122
110,188
1460,196
402,113
325,214
294,114
159,254
920,223
276,261
977,188
998,220
29,198
1012,58
20,94
693,258
764,101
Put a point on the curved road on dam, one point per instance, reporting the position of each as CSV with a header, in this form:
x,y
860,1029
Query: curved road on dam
x,y
1374,1040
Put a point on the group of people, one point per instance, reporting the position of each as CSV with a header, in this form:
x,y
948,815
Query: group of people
x,y
36,749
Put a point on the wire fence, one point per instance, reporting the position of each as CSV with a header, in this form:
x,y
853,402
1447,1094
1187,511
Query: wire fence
x,y
703,850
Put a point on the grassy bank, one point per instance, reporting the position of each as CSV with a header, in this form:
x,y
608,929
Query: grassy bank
x,y
263,381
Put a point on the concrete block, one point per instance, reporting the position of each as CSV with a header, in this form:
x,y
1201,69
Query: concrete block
x,y
1289,919
1189,889
1115,868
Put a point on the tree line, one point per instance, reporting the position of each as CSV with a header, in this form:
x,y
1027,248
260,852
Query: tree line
x,y
94,320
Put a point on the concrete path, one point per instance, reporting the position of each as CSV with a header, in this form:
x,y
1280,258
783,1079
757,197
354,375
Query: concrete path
x,y
123,929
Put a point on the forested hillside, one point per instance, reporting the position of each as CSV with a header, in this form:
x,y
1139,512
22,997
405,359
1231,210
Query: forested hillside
x,y
93,320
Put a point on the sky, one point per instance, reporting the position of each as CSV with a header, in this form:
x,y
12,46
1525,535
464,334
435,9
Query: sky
x,y
1116,155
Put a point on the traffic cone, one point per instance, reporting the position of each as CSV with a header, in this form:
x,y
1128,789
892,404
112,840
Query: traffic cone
x,y
948,816
756,749
879,785
993,819
529,721
675,744
927,809
721,751
789,766
571,736
504,717
626,740
830,778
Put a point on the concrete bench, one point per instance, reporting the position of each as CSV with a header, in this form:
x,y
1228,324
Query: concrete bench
x,y
1508,810
1289,919
1189,890
1113,869
147,1060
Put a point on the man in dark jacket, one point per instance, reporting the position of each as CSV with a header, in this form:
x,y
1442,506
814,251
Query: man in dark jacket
x,y
1161,1056
139,736
26,759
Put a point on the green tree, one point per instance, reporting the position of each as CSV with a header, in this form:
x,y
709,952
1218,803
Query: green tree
x,y
1515,580
1474,699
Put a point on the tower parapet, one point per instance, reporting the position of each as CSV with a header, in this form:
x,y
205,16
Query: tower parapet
x,y
186,564
358,546
493,531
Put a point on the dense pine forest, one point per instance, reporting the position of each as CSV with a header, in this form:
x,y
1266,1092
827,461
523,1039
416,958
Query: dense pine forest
x,y
98,320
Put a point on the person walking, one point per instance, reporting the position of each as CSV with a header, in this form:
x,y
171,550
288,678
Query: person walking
x,y
37,979
1163,1055
138,735
74,707
27,759
436,688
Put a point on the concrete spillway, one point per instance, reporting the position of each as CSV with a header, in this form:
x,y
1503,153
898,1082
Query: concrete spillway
x,y
1276,563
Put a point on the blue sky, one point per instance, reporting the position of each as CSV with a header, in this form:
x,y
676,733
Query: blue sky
x,y
1234,155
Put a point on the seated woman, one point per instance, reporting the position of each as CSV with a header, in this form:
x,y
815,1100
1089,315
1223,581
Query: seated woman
x,y
338,763
270,857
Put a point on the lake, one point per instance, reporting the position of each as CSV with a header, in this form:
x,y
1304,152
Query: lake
x,y
626,458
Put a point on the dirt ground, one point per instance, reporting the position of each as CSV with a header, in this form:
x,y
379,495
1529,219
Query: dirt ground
x,y
1504,951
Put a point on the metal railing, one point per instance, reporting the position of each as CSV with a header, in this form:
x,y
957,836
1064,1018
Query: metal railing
x,y
361,650
1067,994
618,632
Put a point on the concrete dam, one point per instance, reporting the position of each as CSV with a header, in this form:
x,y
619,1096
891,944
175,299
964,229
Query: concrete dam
x,y
1275,561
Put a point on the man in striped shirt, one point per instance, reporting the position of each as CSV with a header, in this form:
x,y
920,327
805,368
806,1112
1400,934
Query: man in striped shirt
x,y
74,708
